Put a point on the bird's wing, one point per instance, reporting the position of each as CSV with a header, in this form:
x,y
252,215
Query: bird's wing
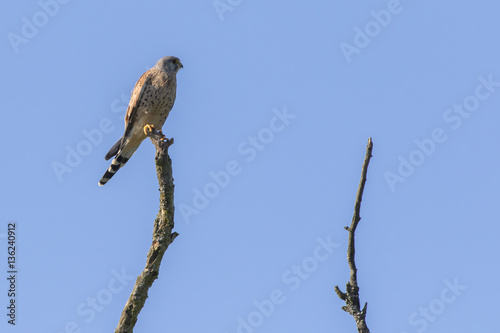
x,y
135,100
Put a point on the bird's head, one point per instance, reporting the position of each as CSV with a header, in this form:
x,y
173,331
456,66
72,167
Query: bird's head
x,y
169,64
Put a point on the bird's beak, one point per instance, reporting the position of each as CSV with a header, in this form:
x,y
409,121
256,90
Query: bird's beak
x,y
180,63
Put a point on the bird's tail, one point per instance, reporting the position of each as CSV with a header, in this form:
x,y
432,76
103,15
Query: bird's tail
x,y
122,157
116,164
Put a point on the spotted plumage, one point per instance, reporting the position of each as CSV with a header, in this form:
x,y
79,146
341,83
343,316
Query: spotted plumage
x,y
152,99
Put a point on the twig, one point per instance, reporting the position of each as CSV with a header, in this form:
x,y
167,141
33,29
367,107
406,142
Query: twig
x,y
162,235
351,296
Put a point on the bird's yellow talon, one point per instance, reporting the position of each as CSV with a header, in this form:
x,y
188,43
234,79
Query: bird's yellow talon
x,y
148,129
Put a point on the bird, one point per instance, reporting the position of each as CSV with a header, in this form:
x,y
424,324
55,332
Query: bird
x,y
151,101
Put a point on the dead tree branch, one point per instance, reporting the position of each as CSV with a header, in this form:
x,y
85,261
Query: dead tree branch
x,y
351,296
162,235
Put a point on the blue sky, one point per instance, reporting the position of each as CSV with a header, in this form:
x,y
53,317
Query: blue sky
x,y
274,107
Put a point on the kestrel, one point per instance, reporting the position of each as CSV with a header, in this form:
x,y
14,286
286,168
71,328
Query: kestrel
x,y
152,99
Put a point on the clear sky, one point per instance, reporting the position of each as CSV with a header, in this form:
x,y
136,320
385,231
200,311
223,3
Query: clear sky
x,y
274,107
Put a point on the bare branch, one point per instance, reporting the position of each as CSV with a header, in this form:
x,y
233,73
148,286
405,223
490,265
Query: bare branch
x,y
162,235
351,296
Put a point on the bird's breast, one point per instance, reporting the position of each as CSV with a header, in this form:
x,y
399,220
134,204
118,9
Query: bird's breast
x,y
156,103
